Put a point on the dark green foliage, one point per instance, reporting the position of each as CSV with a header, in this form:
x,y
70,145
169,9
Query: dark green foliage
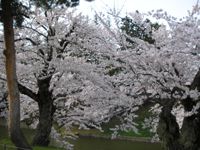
x,y
133,29
19,12
48,4
112,70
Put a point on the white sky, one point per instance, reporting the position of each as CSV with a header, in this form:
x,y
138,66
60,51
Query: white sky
x,y
176,8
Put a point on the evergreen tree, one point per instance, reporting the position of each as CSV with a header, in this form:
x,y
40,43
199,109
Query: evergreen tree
x,y
16,134
141,31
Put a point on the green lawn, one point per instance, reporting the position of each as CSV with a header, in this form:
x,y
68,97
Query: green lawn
x,y
5,140
8,143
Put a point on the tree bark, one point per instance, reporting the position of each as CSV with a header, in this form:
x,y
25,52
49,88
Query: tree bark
x,y
190,131
46,111
168,129
44,99
15,132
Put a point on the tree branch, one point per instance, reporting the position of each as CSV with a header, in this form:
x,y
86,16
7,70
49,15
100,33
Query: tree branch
x,y
3,79
28,92
28,39
35,30
196,82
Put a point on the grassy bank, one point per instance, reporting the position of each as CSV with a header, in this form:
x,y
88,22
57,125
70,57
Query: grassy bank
x,y
7,142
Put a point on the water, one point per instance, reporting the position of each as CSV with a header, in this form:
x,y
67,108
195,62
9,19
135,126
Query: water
x,y
97,143
105,144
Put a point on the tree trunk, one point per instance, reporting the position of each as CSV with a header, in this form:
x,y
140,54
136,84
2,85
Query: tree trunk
x,y
191,133
190,130
42,136
46,111
168,129
16,134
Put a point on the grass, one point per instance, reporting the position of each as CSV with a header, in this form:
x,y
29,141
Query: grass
x,y
142,113
7,141
47,148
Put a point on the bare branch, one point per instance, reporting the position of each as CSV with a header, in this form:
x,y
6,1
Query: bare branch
x,y
3,77
28,92
35,30
196,82
28,39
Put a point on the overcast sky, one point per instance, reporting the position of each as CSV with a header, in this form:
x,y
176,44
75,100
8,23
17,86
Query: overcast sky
x,y
177,8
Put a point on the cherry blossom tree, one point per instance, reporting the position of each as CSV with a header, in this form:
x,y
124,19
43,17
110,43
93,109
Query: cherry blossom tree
x,y
3,92
60,65
15,132
14,105
3,101
165,73
84,74
173,79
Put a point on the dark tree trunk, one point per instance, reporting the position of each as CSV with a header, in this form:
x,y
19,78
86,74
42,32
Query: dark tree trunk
x,y
191,124
42,136
190,130
44,98
16,134
168,129
191,133
189,136
46,111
